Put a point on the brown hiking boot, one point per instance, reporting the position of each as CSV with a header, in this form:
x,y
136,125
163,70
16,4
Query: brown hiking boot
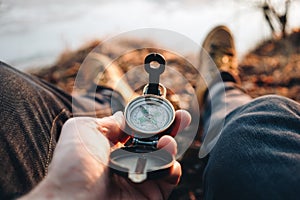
x,y
112,77
217,55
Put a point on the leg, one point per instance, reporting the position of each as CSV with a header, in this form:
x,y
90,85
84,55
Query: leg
x,y
221,100
257,155
218,92
32,114
253,145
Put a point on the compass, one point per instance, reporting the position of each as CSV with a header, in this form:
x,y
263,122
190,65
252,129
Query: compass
x,y
148,117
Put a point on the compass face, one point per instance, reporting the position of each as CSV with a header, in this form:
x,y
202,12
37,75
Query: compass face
x,y
149,115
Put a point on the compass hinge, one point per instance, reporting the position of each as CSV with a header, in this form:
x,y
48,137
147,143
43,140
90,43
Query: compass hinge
x,y
145,142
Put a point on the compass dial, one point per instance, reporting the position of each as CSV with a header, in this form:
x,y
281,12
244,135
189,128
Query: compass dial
x,y
149,114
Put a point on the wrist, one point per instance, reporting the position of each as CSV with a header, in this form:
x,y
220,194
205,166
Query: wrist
x,y
53,189
46,189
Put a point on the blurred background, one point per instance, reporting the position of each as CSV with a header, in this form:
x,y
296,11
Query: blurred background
x,y
35,32
52,38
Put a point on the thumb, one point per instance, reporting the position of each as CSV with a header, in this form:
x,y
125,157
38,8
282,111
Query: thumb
x,y
112,127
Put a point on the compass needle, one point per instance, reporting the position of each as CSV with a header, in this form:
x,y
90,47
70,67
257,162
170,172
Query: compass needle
x,y
144,110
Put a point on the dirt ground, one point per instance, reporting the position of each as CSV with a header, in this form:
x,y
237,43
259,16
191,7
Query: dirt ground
x,y
273,67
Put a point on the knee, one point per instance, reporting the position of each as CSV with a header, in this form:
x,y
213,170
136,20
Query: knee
x,y
268,109
9,78
271,102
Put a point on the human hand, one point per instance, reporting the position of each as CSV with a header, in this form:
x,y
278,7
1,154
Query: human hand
x,y
79,167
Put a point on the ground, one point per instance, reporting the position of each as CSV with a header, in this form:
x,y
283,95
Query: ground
x,y
273,67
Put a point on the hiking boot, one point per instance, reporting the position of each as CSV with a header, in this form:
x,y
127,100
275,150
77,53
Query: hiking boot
x,y
112,76
217,57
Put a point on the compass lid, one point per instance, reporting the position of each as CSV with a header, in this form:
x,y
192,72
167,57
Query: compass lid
x,y
140,164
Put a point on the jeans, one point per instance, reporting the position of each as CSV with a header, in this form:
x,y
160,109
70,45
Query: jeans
x,y
256,154
32,114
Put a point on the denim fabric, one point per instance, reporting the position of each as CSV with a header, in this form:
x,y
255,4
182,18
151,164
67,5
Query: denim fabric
x,y
257,154
222,99
32,113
